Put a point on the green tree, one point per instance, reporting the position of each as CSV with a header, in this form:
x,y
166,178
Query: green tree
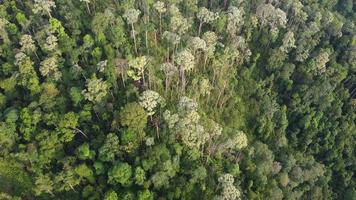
x,y
120,174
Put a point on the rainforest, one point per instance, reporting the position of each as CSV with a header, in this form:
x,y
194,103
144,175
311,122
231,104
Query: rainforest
x,y
177,99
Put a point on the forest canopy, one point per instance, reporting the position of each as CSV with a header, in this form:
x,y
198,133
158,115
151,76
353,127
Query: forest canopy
x,y
177,99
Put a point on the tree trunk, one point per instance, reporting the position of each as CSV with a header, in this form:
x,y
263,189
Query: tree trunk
x,y
88,7
183,81
199,30
160,24
143,78
134,36
146,35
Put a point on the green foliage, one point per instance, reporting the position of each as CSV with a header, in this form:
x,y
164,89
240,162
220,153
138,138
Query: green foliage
x,y
120,174
177,99
134,117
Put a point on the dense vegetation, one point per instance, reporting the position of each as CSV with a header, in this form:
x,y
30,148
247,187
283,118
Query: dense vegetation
x,y
177,99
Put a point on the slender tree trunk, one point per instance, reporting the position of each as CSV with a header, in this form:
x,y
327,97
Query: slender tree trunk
x,y
146,35
183,81
143,78
173,53
166,84
134,36
146,40
123,80
220,93
205,61
210,4
199,30
88,7
225,4
160,24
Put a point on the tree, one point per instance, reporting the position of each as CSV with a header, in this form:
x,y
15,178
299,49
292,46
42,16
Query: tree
x,y
196,43
238,141
51,43
185,60
111,195
229,191
211,40
288,42
43,6
145,195
140,176
96,91
87,4
161,9
235,18
274,17
120,174
186,124
131,16
83,152
3,32
321,61
134,117
27,77
137,68
178,23
169,71
84,171
110,149
49,68
174,39
205,16
27,44
150,100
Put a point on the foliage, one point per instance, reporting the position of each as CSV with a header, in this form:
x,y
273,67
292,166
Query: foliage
x,y
177,99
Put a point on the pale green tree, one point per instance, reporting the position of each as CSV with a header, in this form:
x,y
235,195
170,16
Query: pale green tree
x,y
186,62
110,148
27,44
51,43
3,31
321,61
211,40
96,89
185,125
288,42
131,15
274,17
196,43
235,20
171,119
150,100
237,142
205,16
137,68
229,191
44,184
161,9
102,65
172,39
178,23
87,4
43,6
49,68
169,71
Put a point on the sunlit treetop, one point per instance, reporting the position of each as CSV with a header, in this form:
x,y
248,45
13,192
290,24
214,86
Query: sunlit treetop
x,y
131,15
27,44
160,6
